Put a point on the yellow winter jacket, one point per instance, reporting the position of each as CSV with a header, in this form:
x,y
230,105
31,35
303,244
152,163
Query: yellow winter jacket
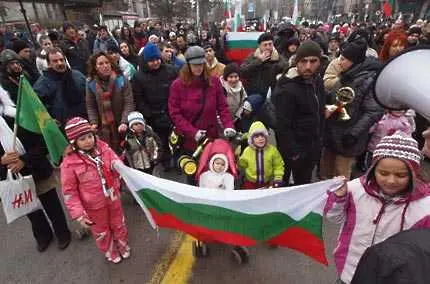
x,y
261,165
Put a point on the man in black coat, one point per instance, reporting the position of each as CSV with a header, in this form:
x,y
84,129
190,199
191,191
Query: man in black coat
x,y
151,91
300,113
75,48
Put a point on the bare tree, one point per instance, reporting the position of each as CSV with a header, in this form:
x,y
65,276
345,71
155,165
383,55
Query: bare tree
x,y
168,9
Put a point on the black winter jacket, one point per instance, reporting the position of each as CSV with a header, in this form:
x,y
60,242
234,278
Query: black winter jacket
x,y
401,259
300,108
364,111
258,76
151,93
77,54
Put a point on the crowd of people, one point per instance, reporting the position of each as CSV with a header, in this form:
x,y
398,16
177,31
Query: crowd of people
x,y
120,95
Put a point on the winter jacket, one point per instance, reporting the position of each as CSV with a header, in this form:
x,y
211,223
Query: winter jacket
x,y
367,219
261,165
300,108
151,93
331,76
143,151
402,258
216,69
29,66
258,76
121,101
77,53
81,182
103,44
388,125
364,111
235,98
185,109
212,179
50,87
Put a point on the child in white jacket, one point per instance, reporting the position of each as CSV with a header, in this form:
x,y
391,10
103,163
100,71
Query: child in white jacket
x,y
217,175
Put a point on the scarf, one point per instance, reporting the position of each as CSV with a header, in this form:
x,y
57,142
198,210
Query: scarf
x,y
68,90
104,92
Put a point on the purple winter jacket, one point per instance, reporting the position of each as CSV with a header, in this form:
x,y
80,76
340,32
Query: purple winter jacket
x,y
185,103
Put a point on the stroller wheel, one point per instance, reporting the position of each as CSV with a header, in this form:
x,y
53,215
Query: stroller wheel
x,y
196,249
204,249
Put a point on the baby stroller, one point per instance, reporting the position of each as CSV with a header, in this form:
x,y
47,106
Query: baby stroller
x,y
217,146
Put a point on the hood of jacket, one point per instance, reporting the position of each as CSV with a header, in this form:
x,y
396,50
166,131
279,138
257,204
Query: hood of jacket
x,y
257,127
370,64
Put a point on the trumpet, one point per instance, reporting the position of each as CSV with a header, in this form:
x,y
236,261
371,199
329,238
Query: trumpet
x,y
344,96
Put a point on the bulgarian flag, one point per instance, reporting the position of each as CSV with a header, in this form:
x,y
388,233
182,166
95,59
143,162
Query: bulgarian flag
x,y
388,8
239,45
289,217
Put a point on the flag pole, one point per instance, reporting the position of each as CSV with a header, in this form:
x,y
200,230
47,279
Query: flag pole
x,y
18,106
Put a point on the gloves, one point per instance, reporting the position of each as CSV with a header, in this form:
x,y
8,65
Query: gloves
x,y
247,106
229,132
348,140
199,135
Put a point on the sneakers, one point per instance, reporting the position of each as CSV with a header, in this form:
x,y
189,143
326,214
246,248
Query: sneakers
x,y
114,260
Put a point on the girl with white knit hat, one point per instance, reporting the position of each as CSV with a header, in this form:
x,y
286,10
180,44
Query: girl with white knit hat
x,y
390,198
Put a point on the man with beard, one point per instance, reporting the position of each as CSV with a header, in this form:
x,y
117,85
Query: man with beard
x,y
151,86
11,70
28,60
62,90
300,109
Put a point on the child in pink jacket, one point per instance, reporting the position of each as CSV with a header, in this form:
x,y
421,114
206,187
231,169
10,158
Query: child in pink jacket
x,y
91,189
388,199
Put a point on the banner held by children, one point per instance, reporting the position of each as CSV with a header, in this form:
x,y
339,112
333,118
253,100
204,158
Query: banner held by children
x,y
289,217
32,115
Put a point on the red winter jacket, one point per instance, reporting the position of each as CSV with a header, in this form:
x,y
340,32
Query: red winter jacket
x,y
185,103
81,183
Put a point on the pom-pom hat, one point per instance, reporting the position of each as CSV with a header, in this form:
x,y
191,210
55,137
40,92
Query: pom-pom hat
x,y
76,127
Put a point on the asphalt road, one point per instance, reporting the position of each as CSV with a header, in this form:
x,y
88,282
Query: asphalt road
x,y
81,262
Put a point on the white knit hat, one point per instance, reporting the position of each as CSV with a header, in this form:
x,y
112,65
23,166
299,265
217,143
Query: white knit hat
x,y
135,117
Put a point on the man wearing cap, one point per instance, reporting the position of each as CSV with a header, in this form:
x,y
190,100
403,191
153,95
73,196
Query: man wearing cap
x,y
215,67
75,48
61,89
347,139
260,69
151,86
103,40
300,109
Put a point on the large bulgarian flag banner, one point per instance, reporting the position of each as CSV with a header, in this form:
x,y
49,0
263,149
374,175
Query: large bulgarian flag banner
x,y
239,45
289,217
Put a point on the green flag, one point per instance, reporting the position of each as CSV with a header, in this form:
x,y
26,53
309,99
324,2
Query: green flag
x,y
33,116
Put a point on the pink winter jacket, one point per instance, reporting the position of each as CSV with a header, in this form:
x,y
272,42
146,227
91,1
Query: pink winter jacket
x,y
185,102
367,221
388,125
81,183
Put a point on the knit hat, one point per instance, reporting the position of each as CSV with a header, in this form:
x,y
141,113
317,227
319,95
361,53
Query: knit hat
x,y
399,146
135,117
195,55
414,30
230,69
355,51
8,55
151,52
18,45
308,48
76,127
265,37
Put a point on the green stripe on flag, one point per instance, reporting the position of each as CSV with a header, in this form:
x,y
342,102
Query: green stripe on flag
x,y
259,227
242,44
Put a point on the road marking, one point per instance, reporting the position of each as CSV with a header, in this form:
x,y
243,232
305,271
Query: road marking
x,y
181,267
163,264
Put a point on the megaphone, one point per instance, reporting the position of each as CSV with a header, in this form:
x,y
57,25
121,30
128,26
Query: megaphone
x,y
404,82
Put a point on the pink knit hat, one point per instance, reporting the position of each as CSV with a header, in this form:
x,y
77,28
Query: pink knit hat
x,y
76,127
399,146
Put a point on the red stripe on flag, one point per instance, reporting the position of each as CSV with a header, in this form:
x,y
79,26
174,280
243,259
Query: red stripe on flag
x,y
303,241
238,54
201,233
388,9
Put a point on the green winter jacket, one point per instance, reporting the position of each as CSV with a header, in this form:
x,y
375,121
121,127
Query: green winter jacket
x,y
261,165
